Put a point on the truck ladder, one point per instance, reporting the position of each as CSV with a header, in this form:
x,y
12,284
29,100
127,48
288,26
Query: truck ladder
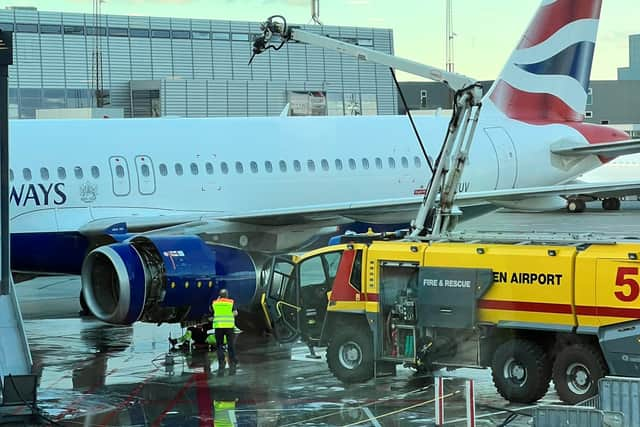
x,y
437,214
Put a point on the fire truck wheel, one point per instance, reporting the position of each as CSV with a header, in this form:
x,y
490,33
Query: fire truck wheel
x,y
350,356
576,372
521,371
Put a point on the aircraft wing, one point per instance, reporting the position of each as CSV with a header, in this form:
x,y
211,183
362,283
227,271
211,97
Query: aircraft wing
x,y
605,149
592,189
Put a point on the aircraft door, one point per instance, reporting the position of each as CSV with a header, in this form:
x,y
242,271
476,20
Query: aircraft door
x,y
280,301
505,156
120,176
146,175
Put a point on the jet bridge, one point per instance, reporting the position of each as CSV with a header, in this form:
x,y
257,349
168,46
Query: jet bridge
x,y
15,357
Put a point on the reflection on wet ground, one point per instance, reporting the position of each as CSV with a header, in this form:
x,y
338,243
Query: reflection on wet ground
x,y
96,374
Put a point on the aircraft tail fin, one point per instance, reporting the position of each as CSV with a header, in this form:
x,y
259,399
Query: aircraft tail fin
x,y
546,78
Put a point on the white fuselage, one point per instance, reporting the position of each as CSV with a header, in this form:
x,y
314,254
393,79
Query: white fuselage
x,y
67,173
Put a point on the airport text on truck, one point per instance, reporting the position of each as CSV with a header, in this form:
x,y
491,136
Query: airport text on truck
x,y
549,307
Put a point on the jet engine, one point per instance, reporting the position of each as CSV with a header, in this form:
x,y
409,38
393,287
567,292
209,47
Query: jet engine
x,y
165,279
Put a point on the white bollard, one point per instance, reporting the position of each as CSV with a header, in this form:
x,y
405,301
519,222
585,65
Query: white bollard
x,y
470,399
439,386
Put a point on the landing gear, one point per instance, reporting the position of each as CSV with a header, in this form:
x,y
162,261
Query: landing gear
x,y
576,372
521,371
611,204
576,205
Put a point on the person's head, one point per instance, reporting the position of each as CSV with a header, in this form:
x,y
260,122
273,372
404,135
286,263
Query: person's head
x,y
223,293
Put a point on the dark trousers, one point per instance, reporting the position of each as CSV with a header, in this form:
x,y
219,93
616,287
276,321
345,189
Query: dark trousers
x,y
221,333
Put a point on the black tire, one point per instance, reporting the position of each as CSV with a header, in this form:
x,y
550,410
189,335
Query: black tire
x,y
576,372
521,371
611,204
350,356
576,205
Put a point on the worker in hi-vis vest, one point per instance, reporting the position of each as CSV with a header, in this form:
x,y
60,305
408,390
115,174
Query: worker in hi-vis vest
x,y
224,314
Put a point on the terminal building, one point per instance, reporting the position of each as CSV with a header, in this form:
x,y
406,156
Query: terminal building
x,y
150,66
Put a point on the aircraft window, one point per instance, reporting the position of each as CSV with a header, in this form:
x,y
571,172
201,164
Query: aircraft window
x,y
283,166
120,171
224,168
144,169
296,166
95,172
209,168
392,162
178,168
405,162
10,174
311,165
163,169
26,174
62,173
378,163
194,169
417,163
325,164
268,166
254,167
338,164
365,163
352,164
77,171
239,167
44,174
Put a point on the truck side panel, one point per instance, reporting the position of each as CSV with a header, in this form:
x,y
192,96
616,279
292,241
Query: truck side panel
x,y
532,285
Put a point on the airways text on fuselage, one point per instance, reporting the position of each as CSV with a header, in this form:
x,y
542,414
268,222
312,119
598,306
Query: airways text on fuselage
x,y
38,195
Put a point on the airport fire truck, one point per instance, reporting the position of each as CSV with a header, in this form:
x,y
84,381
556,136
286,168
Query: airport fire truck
x,y
533,308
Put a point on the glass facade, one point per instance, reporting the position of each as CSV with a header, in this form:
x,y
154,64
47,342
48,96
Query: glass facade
x,y
199,67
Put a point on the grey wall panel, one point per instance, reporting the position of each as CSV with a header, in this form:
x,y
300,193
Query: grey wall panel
x,y
315,63
202,60
119,96
237,93
26,16
333,67
217,98
257,98
367,75
50,17
260,67
6,15
28,56
222,69
350,75
117,20
139,21
102,49
297,61
161,56
119,59
279,63
53,56
196,98
141,60
180,24
220,26
160,23
173,98
276,97
200,25
77,65
240,55
182,59
239,27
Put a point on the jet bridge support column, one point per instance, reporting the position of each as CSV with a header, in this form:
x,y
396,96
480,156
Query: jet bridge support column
x,y
15,357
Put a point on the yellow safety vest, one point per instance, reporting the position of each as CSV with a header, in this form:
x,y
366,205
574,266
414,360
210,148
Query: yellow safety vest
x,y
222,412
223,313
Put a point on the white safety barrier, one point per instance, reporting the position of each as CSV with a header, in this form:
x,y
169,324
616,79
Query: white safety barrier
x,y
469,397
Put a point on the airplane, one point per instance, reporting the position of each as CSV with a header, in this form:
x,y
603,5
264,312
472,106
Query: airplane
x,y
159,214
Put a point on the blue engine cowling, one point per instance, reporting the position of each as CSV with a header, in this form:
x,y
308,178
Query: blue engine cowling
x,y
164,279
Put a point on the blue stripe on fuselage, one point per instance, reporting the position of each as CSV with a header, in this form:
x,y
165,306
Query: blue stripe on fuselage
x,y
574,61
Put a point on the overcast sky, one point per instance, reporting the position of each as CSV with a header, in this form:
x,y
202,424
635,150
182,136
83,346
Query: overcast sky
x,y
487,30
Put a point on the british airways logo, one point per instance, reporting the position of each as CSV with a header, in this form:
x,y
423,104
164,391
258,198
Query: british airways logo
x,y
38,195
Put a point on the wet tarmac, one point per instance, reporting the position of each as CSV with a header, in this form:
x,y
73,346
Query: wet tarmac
x,y
96,374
